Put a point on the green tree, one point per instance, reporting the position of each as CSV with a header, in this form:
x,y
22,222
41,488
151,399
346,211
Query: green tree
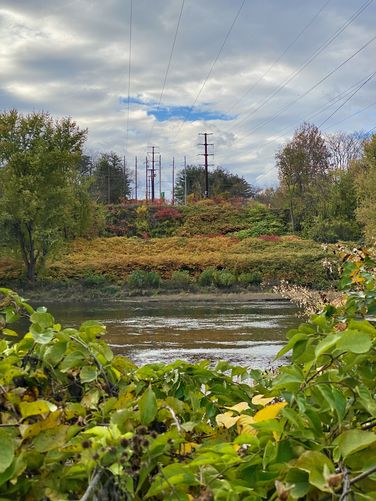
x,y
221,183
303,166
42,196
112,181
365,179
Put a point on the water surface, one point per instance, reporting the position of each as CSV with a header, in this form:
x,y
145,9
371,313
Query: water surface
x,y
247,333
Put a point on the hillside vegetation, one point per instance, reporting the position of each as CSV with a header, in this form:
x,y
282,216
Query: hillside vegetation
x,y
273,258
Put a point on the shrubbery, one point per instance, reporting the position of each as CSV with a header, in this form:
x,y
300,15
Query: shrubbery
x,y
140,279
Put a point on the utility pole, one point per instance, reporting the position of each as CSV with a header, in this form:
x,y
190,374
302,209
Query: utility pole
x,y
124,178
135,178
206,157
146,179
160,178
185,180
173,180
150,172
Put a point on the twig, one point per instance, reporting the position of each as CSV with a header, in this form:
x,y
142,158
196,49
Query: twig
x,y
322,369
91,486
365,474
346,484
175,419
8,425
96,361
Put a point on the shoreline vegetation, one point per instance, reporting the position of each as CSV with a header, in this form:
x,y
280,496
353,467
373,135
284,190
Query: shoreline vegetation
x,y
123,267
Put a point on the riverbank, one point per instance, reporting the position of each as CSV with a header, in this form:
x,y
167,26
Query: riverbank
x,y
112,293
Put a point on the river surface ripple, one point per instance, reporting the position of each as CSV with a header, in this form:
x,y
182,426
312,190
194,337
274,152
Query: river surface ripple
x,y
247,333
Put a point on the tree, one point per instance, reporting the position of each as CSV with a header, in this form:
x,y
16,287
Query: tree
x,y
221,183
365,180
112,181
42,197
344,148
303,166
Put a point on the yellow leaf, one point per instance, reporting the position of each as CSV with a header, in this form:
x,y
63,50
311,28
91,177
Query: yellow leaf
x,y
240,407
226,419
269,412
187,448
261,400
244,425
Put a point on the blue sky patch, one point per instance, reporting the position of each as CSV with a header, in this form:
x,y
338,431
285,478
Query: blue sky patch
x,y
164,113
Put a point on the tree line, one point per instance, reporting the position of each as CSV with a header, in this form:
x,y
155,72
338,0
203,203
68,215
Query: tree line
x,y
51,191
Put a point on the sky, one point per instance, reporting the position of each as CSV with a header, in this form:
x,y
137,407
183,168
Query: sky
x,y
247,71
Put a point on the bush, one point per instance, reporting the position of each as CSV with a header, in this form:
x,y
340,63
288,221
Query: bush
x,y
224,278
206,279
332,230
140,279
92,279
180,279
251,278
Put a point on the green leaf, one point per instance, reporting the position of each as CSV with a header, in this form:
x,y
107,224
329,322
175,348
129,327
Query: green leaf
x,y
88,373
42,318
148,406
55,353
71,361
352,441
300,336
36,408
9,332
326,344
40,334
7,448
316,465
355,341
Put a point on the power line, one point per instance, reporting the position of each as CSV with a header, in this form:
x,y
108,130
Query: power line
x,y
352,115
213,64
168,67
289,105
325,107
276,61
318,51
348,99
129,71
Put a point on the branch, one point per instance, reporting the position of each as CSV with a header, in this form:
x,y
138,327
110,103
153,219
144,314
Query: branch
x,y
176,421
96,361
91,486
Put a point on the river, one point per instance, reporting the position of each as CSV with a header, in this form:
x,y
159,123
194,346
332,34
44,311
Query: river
x,y
247,333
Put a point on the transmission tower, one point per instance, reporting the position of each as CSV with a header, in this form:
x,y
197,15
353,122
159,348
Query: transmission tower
x,y
206,156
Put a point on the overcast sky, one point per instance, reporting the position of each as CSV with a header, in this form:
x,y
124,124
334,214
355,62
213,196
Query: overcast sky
x,y
251,81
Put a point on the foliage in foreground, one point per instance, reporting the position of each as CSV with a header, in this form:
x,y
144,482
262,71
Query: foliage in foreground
x,y
79,422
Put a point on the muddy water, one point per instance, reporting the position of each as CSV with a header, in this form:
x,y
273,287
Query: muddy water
x,y
247,333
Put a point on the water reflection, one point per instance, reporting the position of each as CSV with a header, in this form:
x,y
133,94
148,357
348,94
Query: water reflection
x,y
245,333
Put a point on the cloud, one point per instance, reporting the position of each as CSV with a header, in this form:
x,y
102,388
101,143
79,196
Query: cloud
x,y
71,58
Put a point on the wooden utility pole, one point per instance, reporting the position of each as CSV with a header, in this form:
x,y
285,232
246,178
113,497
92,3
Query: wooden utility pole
x,y
185,180
173,180
206,155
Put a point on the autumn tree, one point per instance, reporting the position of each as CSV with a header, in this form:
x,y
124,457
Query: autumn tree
x,y
344,148
303,166
222,183
42,196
